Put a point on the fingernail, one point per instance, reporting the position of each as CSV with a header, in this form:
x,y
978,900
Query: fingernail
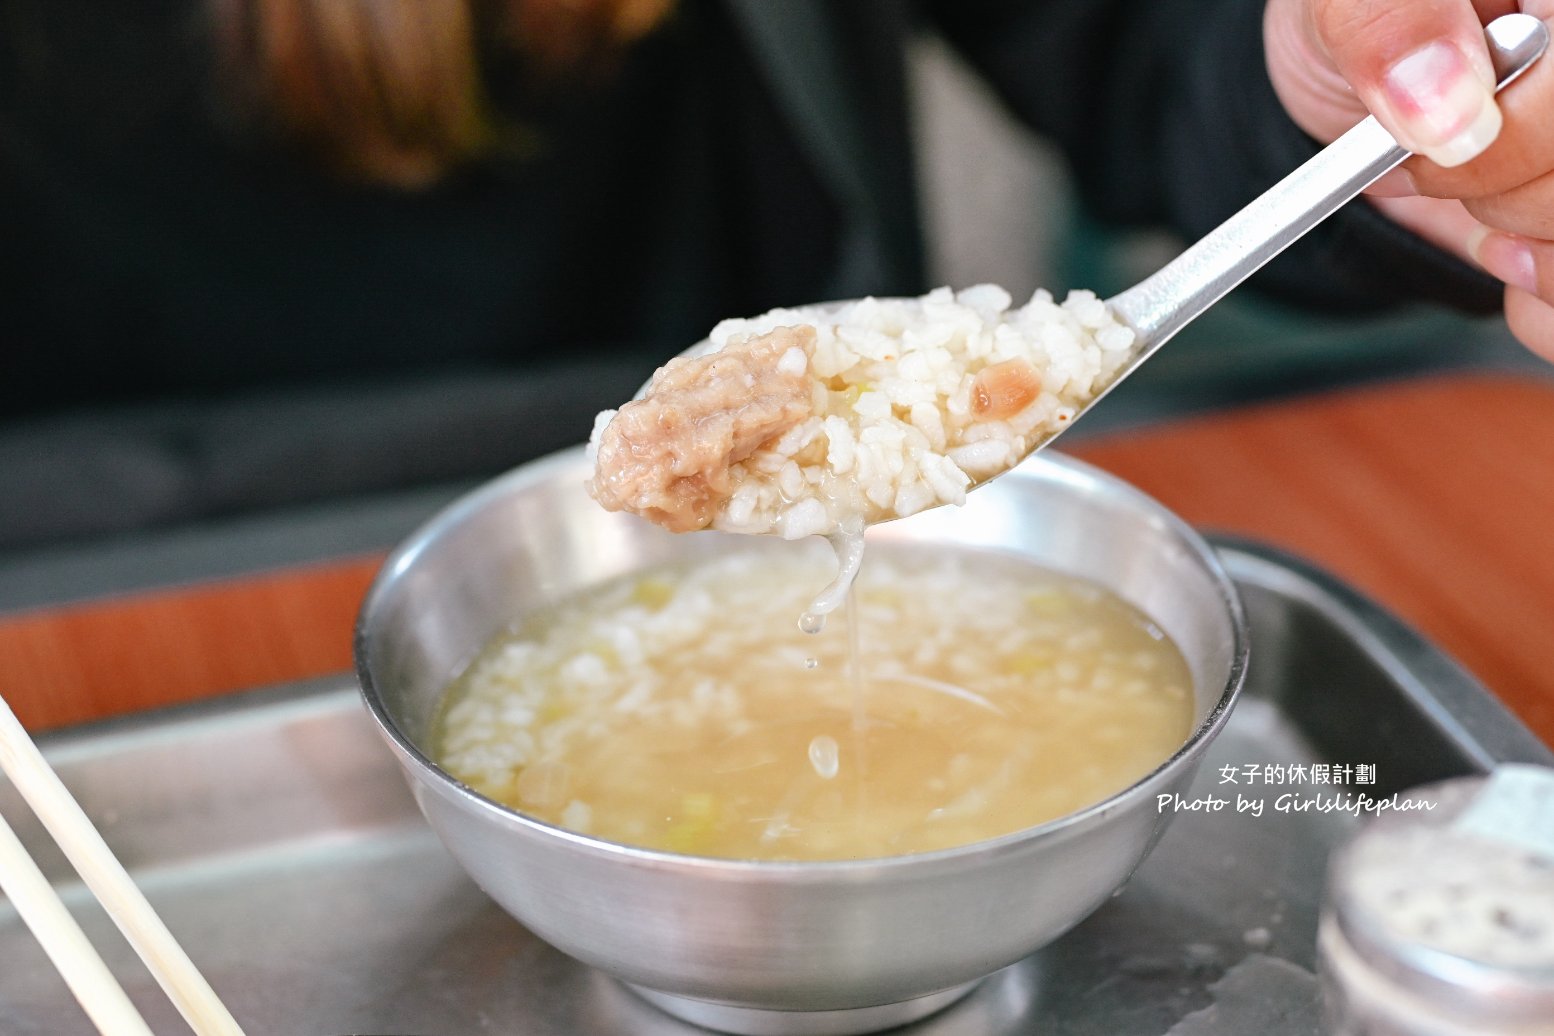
x,y
1506,258
1441,107
1399,183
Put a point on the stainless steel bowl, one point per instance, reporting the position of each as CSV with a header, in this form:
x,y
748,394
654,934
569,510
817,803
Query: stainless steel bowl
x,y
757,947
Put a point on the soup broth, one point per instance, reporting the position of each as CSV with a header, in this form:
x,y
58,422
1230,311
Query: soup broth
x,y
958,696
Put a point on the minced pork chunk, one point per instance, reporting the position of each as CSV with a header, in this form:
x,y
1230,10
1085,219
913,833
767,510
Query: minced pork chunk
x,y
667,456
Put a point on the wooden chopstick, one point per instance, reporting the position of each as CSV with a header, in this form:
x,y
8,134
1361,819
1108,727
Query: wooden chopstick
x,y
78,964
69,826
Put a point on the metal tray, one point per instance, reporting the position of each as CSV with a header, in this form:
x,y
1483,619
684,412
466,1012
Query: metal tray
x,y
276,837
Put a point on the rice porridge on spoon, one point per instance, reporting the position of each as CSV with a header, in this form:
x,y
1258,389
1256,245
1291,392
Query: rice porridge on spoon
x,y
815,420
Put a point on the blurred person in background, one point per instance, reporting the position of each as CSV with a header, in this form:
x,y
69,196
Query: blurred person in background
x,y
257,252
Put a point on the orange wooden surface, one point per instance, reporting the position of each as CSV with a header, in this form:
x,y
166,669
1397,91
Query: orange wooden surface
x,y
108,657
1432,496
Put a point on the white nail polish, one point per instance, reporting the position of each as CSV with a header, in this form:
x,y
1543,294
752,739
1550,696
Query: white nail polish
x,y
1503,256
1471,142
1439,105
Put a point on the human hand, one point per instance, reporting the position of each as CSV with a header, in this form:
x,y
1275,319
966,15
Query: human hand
x,y
1483,186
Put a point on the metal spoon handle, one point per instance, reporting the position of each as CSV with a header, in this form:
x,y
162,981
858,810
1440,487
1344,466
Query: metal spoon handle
x,y
1173,297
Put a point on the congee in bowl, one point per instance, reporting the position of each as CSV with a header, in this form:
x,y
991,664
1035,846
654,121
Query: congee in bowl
x,y
804,827
965,694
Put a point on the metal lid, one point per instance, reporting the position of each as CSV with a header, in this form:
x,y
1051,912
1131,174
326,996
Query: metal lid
x,y
1446,911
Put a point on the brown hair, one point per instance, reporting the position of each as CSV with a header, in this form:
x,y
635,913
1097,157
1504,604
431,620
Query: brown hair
x,y
392,91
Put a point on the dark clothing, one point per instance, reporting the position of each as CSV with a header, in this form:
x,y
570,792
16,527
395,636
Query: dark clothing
x,y
748,154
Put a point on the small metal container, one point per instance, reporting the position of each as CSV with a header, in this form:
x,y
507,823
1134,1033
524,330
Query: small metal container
x,y
761,947
1431,929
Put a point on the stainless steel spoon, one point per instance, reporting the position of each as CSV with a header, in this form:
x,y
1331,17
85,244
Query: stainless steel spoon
x,y
1167,301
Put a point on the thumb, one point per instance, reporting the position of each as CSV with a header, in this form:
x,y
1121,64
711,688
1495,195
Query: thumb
x,y
1421,67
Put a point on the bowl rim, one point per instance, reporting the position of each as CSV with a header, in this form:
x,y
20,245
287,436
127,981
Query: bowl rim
x,y
402,557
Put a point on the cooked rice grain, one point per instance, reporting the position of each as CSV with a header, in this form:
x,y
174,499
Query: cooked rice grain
x,y
900,421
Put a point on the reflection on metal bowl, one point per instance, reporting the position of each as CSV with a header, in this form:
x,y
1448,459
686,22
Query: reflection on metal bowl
x,y
755,947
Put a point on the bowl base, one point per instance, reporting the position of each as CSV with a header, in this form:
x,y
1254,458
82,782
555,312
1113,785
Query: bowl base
x,y
755,1021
